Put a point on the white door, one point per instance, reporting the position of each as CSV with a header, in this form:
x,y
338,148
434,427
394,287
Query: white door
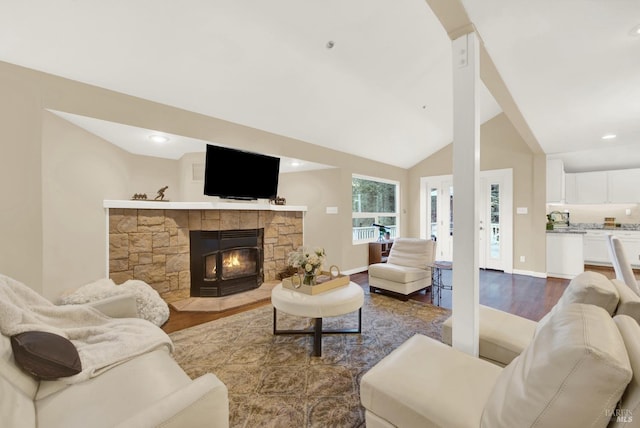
x,y
495,217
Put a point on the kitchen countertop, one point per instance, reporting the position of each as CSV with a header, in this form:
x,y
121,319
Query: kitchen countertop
x,y
583,227
568,230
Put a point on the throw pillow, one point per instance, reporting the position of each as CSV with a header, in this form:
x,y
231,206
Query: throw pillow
x,y
45,355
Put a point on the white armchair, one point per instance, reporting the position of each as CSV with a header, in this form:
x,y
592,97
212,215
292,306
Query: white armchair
x,y
407,270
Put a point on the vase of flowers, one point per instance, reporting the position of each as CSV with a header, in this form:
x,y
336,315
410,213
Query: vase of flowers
x,y
308,263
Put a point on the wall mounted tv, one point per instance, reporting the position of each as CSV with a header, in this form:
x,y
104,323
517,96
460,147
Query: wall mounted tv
x,y
236,174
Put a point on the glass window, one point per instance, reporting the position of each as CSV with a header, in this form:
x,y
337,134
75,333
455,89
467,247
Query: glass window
x,y
374,209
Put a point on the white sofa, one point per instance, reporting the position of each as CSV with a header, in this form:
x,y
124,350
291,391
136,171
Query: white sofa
x,y
407,270
572,374
149,390
503,336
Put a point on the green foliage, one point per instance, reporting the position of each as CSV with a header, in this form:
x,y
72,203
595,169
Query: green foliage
x,y
373,196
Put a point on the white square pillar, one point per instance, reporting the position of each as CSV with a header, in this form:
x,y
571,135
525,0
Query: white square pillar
x,y
466,173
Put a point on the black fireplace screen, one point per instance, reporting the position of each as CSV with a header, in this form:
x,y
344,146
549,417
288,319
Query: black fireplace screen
x,y
226,262
234,263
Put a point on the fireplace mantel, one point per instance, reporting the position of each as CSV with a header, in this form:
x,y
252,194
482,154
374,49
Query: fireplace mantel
x,y
218,205
150,240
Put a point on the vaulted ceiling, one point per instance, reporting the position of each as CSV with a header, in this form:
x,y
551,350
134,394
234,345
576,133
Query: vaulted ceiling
x,y
367,77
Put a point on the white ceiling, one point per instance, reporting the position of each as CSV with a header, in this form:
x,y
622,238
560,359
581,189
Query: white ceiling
x,y
138,141
571,66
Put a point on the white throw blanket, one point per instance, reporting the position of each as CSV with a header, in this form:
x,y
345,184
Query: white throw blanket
x,y
101,341
150,305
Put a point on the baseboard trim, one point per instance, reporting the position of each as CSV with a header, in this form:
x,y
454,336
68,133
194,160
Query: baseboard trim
x,y
355,270
530,273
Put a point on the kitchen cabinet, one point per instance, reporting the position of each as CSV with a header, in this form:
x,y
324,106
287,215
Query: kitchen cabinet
x,y
555,181
623,186
565,258
631,242
586,187
595,246
601,187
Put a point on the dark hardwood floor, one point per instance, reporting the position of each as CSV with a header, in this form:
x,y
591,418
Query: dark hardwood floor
x,y
522,295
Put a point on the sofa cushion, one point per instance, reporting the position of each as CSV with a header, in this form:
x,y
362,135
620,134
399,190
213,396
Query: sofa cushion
x,y
502,336
10,371
17,390
571,374
629,406
629,303
588,287
412,252
16,408
425,383
114,396
45,355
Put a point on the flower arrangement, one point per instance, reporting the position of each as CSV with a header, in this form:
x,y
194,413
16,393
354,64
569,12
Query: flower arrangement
x,y
310,262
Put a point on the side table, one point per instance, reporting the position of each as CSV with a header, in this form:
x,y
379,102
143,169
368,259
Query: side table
x,y
437,285
338,301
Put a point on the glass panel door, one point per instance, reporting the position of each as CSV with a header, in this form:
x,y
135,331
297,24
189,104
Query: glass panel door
x,y
490,255
494,233
433,208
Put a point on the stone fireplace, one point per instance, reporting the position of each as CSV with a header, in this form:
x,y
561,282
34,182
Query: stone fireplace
x,y
154,245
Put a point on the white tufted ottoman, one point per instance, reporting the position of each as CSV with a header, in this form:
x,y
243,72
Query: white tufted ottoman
x,y
339,301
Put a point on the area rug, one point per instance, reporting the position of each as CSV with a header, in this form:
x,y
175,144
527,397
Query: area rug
x,y
274,381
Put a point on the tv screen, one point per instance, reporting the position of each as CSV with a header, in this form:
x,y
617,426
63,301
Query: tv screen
x,y
236,174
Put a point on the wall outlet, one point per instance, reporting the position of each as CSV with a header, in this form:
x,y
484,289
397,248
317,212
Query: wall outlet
x,y
522,259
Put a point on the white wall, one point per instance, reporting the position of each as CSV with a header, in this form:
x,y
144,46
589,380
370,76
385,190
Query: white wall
x,y
20,178
80,170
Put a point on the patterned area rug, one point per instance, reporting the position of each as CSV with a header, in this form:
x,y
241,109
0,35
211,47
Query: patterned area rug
x,y
274,381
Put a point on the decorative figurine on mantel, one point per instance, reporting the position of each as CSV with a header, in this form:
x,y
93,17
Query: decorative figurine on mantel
x,y
278,201
139,197
160,195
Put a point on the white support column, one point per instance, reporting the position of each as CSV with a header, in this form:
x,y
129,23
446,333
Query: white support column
x,y
466,172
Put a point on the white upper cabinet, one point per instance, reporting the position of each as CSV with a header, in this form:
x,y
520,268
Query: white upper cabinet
x,y
624,186
599,187
586,188
555,181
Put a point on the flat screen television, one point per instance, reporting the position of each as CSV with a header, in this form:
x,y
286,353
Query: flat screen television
x,y
236,174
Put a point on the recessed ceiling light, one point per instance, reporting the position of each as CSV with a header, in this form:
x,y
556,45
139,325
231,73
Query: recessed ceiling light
x,y
609,136
635,31
158,138
330,44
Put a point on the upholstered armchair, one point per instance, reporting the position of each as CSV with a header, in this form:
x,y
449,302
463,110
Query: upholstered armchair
x,y
407,270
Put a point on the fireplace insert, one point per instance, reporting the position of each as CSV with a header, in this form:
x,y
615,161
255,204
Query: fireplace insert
x,y
225,262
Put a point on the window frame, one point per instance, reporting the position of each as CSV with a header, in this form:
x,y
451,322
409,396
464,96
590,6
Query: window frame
x,y
375,215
